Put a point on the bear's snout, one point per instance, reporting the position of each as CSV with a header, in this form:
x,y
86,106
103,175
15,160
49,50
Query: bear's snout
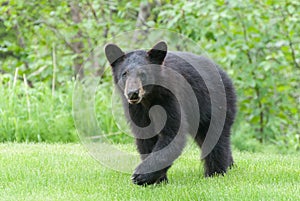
x,y
134,91
133,95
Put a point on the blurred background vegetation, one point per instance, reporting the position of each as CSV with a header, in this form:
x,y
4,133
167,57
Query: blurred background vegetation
x,y
44,44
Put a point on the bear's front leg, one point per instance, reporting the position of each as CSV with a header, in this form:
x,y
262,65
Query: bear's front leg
x,y
145,147
153,168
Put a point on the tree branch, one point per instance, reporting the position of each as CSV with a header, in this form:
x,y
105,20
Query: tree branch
x,y
245,36
291,46
57,33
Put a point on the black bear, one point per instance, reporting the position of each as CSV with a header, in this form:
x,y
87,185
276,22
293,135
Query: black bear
x,y
187,87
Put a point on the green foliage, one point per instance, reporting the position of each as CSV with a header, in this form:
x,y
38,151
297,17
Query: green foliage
x,y
256,42
67,172
30,30
109,114
40,114
258,45
35,114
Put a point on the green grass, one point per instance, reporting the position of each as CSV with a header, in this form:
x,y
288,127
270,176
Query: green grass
x,y
67,172
39,114
36,114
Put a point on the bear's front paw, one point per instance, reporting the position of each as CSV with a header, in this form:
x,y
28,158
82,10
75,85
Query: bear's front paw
x,y
163,179
148,178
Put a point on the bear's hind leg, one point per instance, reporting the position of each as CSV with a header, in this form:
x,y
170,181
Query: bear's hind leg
x,y
220,158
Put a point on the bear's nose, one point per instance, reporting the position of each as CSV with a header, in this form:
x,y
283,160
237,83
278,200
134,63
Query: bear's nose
x,y
132,95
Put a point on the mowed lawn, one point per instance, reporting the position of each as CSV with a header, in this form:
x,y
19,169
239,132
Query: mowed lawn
x,y
68,172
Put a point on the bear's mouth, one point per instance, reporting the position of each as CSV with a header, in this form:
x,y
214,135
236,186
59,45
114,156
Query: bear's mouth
x,y
134,101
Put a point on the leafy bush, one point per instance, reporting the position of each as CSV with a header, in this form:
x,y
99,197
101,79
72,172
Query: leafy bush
x,y
35,114
258,45
40,114
256,42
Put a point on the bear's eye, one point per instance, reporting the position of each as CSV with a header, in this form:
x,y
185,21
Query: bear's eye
x,y
124,74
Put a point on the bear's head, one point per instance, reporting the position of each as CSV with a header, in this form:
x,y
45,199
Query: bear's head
x,y
133,71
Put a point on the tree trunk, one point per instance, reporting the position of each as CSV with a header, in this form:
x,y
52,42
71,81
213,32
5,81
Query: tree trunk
x,y
141,26
77,42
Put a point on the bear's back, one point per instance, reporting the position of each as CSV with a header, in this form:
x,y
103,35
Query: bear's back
x,y
198,70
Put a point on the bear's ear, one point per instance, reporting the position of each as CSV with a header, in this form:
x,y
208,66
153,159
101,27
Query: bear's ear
x,y
113,52
158,52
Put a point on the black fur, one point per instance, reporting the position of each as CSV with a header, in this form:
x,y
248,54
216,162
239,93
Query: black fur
x,y
218,161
